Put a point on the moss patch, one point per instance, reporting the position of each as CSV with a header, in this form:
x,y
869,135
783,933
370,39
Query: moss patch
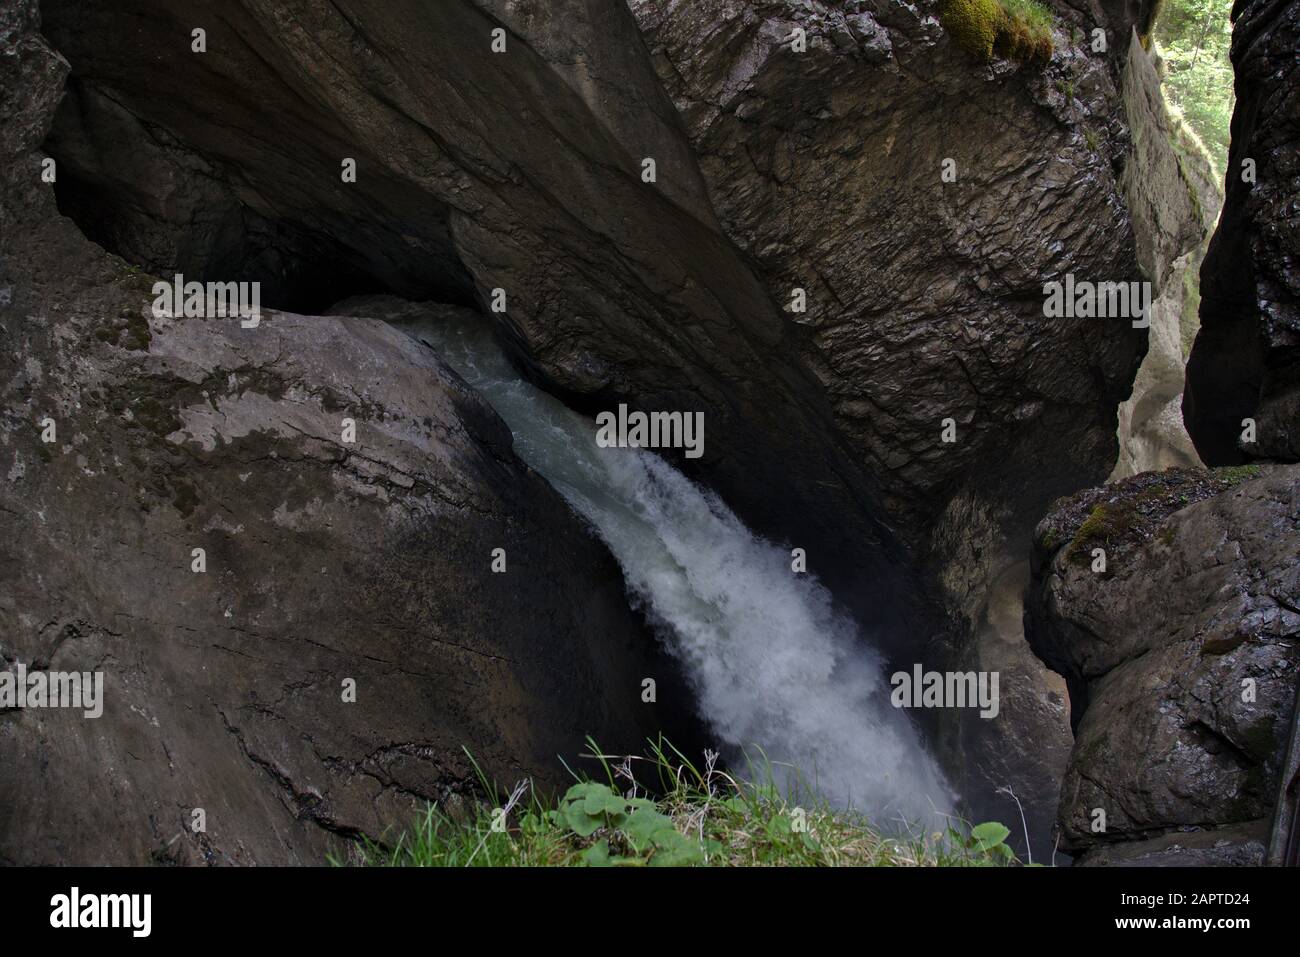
x,y
1236,474
1104,524
1126,514
1222,645
1016,30
972,24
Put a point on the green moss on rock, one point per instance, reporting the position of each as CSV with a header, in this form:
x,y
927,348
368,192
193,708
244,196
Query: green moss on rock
x,y
972,24
1016,30
1236,474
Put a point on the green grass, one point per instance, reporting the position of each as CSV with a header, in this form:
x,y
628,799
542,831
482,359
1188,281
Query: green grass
x,y
1017,30
688,816
1031,13
1236,474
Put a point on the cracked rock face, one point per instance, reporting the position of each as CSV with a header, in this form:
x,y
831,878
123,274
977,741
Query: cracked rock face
x,y
523,172
925,297
1182,658
1246,359
324,561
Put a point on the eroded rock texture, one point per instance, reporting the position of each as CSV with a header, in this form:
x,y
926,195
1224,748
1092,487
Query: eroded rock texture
x,y
519,171
1182,657
925,297
1152,436
522,172
1246,360
325,561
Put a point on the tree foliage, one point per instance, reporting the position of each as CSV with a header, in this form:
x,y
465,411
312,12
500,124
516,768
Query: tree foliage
x,y
1193,37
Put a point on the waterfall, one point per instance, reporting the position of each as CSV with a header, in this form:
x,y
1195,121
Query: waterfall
x,y
774,664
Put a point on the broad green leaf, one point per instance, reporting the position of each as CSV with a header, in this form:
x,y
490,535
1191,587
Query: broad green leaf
x,y
989,833
597,855
579,822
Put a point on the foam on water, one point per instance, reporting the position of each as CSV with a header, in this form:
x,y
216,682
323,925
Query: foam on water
x,y
774,664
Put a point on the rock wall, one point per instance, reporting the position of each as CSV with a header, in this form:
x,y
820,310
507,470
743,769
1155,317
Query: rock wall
x,y
1171,603
1175,179
524,173
476,171
324,561
1245,363
925,297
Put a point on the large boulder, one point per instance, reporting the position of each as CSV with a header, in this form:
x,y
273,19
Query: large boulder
x,y
1171,603
1245,363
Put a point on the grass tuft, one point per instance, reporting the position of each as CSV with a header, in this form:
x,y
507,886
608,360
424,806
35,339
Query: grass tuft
x,y
689,816
1016,30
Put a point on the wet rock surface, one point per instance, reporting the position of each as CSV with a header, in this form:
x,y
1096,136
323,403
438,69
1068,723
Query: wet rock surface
x,y
522,173
925,297
324,561
1181,654
1246,359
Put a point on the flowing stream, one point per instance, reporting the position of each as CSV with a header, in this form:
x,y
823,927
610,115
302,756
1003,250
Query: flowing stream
x,y
778,670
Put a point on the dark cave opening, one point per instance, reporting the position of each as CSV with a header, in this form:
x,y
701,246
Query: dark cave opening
x,y
297,271
170,207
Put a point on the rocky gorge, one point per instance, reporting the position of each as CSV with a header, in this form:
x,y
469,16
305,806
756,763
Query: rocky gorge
x,y
863,335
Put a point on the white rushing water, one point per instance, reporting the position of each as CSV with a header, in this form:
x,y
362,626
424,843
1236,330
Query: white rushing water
x,y
775,666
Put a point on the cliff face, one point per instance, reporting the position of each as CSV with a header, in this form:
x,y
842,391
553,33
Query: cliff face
x,y
520,171
925,296
523,171
314,672
519,179
925,299
1245,363
1181,648
1181,653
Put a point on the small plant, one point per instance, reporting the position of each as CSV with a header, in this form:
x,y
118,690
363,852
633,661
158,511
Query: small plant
x,y
985,843
1236,474
628,830
694,817
1017,30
